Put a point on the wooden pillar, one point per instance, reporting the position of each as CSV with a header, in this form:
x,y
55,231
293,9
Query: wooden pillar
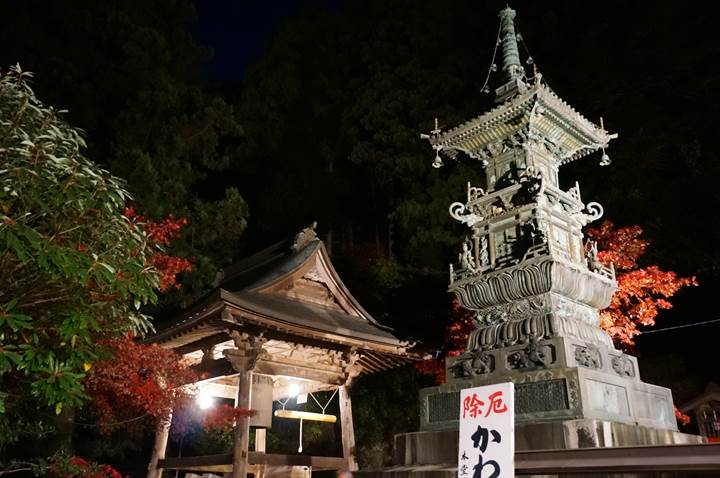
x,y
242,426
346,427
260,435
158,453
243,359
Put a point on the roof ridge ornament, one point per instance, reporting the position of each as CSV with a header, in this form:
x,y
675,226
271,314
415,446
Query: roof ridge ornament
x,y
305,237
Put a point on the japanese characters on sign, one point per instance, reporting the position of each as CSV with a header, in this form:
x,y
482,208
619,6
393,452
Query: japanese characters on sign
x,y
487,441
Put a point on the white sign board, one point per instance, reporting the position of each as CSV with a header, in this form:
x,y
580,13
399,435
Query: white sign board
x,y
487,432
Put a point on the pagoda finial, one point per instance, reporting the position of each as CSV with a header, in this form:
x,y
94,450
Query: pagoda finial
x,y
511,56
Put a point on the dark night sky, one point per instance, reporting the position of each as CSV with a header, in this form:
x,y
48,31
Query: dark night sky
x,y
237,31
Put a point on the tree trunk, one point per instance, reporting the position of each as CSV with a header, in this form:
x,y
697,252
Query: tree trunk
x,y
159,449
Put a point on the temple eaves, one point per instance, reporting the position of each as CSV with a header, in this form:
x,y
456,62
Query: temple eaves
x,y
537,112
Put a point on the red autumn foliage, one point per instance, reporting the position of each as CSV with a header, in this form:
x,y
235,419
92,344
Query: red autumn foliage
x,y
460,323
138,380
642,291
680,416
435,367
63,466
170,267
162,233
223,416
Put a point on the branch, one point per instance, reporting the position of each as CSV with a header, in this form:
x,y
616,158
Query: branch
x,y
42,301
113,424
7,472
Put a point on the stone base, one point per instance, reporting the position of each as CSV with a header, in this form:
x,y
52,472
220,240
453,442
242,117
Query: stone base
x,y
441,446
559,395
433,454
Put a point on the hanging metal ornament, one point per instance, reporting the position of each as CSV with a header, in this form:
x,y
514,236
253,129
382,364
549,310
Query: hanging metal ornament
x,y
604,159
438,163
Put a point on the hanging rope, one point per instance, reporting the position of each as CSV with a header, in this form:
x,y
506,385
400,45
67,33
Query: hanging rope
x,y
284,403
529,60
300,447
493,66
322,407
327,403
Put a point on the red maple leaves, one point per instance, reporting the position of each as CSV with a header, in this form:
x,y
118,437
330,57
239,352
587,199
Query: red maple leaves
x,y
680,416
63,466
461,322
162,233
137,381
642,291
223,417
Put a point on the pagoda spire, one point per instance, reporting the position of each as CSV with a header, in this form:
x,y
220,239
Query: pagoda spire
x,y
512,67
511,56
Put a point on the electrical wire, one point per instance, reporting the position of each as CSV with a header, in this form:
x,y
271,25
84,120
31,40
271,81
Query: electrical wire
x,y
680,326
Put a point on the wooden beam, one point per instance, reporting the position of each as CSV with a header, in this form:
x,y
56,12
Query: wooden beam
x,y
316,462
255,458
218,390
367,365
203,343
270,367
310,416
297,331
273,333
347,430
374,360
214,368
196,462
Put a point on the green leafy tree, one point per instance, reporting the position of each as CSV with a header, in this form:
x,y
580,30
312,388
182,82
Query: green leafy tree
x,y
75,268
128,74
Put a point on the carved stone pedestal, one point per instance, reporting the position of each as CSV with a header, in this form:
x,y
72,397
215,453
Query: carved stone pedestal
x,y
559,394
434,447
580,398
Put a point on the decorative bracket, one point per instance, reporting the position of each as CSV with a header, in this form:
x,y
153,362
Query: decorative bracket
x,y
249,348
351,366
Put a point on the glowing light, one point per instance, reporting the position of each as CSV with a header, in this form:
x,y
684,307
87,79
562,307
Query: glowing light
x,y
294,389
204,401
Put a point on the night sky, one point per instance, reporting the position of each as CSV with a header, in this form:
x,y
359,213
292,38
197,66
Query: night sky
x,y
237,32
